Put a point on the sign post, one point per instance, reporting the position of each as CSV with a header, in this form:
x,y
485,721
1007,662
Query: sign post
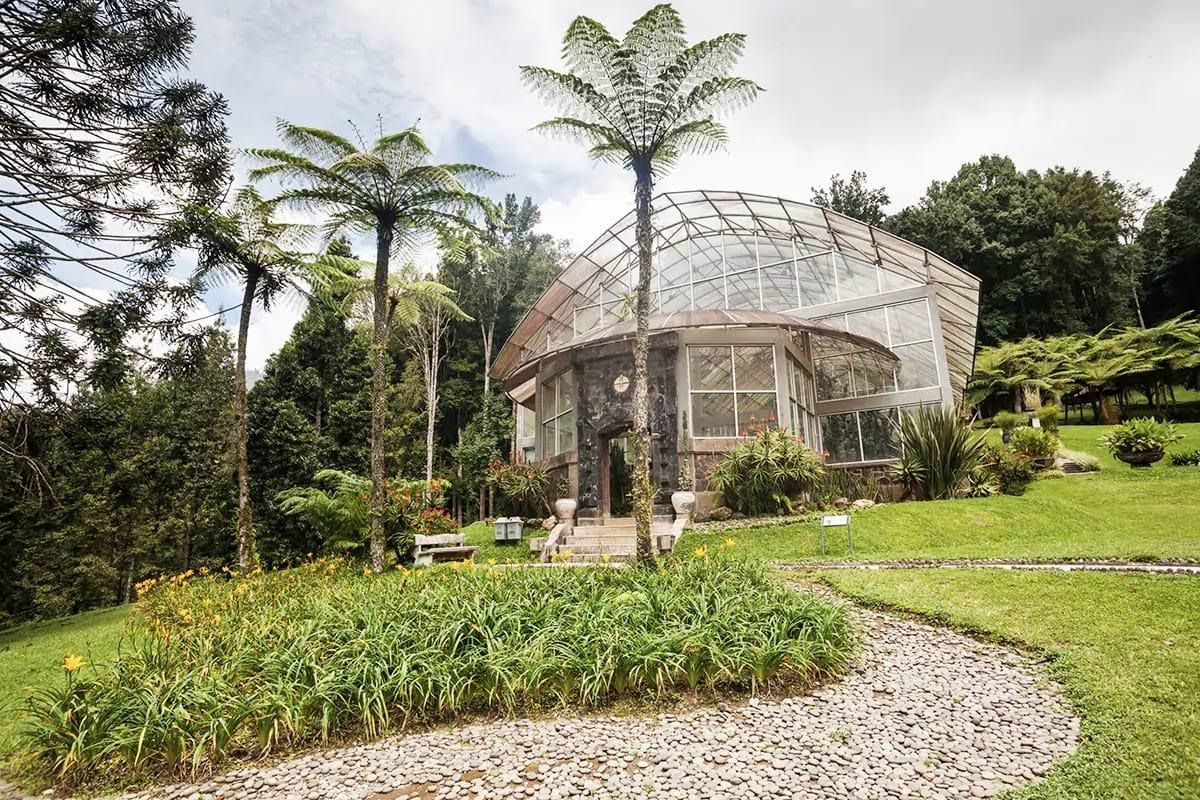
x,y
837,521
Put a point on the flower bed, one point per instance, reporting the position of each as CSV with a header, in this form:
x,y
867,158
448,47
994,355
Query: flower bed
x,y
240,667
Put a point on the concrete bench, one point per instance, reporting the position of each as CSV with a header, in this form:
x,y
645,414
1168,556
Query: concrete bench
x,y
443,547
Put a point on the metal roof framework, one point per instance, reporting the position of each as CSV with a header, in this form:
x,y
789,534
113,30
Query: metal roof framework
x,y
765,233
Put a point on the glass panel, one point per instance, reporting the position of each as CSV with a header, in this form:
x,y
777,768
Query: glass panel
x,y
710,368
816,280
706,257
855,278
909,322
880,436
549,438
712,414
739,253
755,410
566,392
833,378
586,318
872,323
673,266
779,288
772,250
526,423
839,434
676,298
743,289
872,374
891,281
755,367
546,399
566,432
709,294
918,365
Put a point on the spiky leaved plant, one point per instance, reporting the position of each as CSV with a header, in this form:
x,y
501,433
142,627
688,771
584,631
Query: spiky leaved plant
x,y
642,102
940,451
388,189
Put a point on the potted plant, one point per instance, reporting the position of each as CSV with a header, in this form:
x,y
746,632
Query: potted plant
x,y
683,499
564,506
1007,422
1035,444
1140,442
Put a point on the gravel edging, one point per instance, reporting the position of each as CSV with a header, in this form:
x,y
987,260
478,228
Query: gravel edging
x,y
1098,565
925,712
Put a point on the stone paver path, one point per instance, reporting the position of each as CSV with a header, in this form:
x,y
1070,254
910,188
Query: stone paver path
x,y
926,713
1154,568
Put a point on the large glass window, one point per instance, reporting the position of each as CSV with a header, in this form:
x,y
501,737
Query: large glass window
x,y
859,436
557,412
732,389
800,401
904,328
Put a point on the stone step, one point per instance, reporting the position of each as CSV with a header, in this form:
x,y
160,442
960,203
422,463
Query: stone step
x,y
596,558
600,538
598,549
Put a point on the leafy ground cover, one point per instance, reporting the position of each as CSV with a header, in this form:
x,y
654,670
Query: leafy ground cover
x,y
225,667
32,655
1127,648
1118,512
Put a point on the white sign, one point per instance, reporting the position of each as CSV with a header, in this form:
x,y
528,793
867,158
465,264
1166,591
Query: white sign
x,y
835,521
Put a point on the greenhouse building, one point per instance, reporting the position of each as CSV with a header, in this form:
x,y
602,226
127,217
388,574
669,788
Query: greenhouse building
x,y
764,312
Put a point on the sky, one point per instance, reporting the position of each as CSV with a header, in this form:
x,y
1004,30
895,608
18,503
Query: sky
x,y
905,91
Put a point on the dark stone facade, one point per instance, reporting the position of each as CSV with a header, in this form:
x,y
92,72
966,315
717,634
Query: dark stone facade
x,y
602,412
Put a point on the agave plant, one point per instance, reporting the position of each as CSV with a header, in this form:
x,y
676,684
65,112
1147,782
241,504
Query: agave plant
x,y
940,452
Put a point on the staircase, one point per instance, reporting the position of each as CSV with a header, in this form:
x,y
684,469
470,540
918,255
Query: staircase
x,y
607,541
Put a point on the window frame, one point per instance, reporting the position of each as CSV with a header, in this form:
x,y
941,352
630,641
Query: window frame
x,y
552,415
733,390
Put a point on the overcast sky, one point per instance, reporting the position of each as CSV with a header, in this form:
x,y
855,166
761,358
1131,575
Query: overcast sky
x,y
906,91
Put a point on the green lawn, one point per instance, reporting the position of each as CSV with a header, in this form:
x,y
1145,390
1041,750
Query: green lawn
x,y
32,654
1127,648
1118,512
482,535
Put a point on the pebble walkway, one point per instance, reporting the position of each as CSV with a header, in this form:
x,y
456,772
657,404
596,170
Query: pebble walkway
x,y
1154,568
925,713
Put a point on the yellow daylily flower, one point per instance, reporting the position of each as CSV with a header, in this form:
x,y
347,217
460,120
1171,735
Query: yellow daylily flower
x,y
701,552
72,662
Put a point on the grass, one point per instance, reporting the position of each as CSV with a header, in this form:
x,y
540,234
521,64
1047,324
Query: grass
x,y
240,667
1118,512
1127,648
482,535
32,655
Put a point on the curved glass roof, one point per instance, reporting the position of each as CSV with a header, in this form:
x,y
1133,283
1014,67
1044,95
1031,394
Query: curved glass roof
x,y
733,250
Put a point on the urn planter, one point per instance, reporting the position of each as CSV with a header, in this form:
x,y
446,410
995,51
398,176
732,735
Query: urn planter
x,y
683,502
1141,458
564,509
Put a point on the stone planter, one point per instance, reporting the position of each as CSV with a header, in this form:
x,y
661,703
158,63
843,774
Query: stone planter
x,y
683,503
564,509
1141,459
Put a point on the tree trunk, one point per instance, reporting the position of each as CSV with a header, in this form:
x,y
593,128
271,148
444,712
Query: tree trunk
x,y
643,486
431,400
246,554
488,331
379,387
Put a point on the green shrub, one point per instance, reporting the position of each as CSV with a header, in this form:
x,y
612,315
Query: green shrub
x,y
1048,417
524,488
940,451
1185,458
1010,471
227,668
981,483
767,473
835,483
1009,421
1144,435
1034,443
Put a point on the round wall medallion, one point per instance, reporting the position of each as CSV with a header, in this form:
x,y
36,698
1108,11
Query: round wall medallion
x,y
621,384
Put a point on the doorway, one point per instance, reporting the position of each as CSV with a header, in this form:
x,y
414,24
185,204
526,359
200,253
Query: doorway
x,y
616,476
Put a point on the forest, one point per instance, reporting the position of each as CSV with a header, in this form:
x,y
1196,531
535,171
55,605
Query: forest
x,y
130,443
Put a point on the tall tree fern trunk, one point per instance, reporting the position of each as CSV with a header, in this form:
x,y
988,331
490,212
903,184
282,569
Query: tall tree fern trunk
x,y
379,386
245,524
643,486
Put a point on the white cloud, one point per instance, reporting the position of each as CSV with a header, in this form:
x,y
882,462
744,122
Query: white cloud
x,y
906,92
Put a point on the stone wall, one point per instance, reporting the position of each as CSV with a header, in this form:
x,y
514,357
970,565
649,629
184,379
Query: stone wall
x,y
603,411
